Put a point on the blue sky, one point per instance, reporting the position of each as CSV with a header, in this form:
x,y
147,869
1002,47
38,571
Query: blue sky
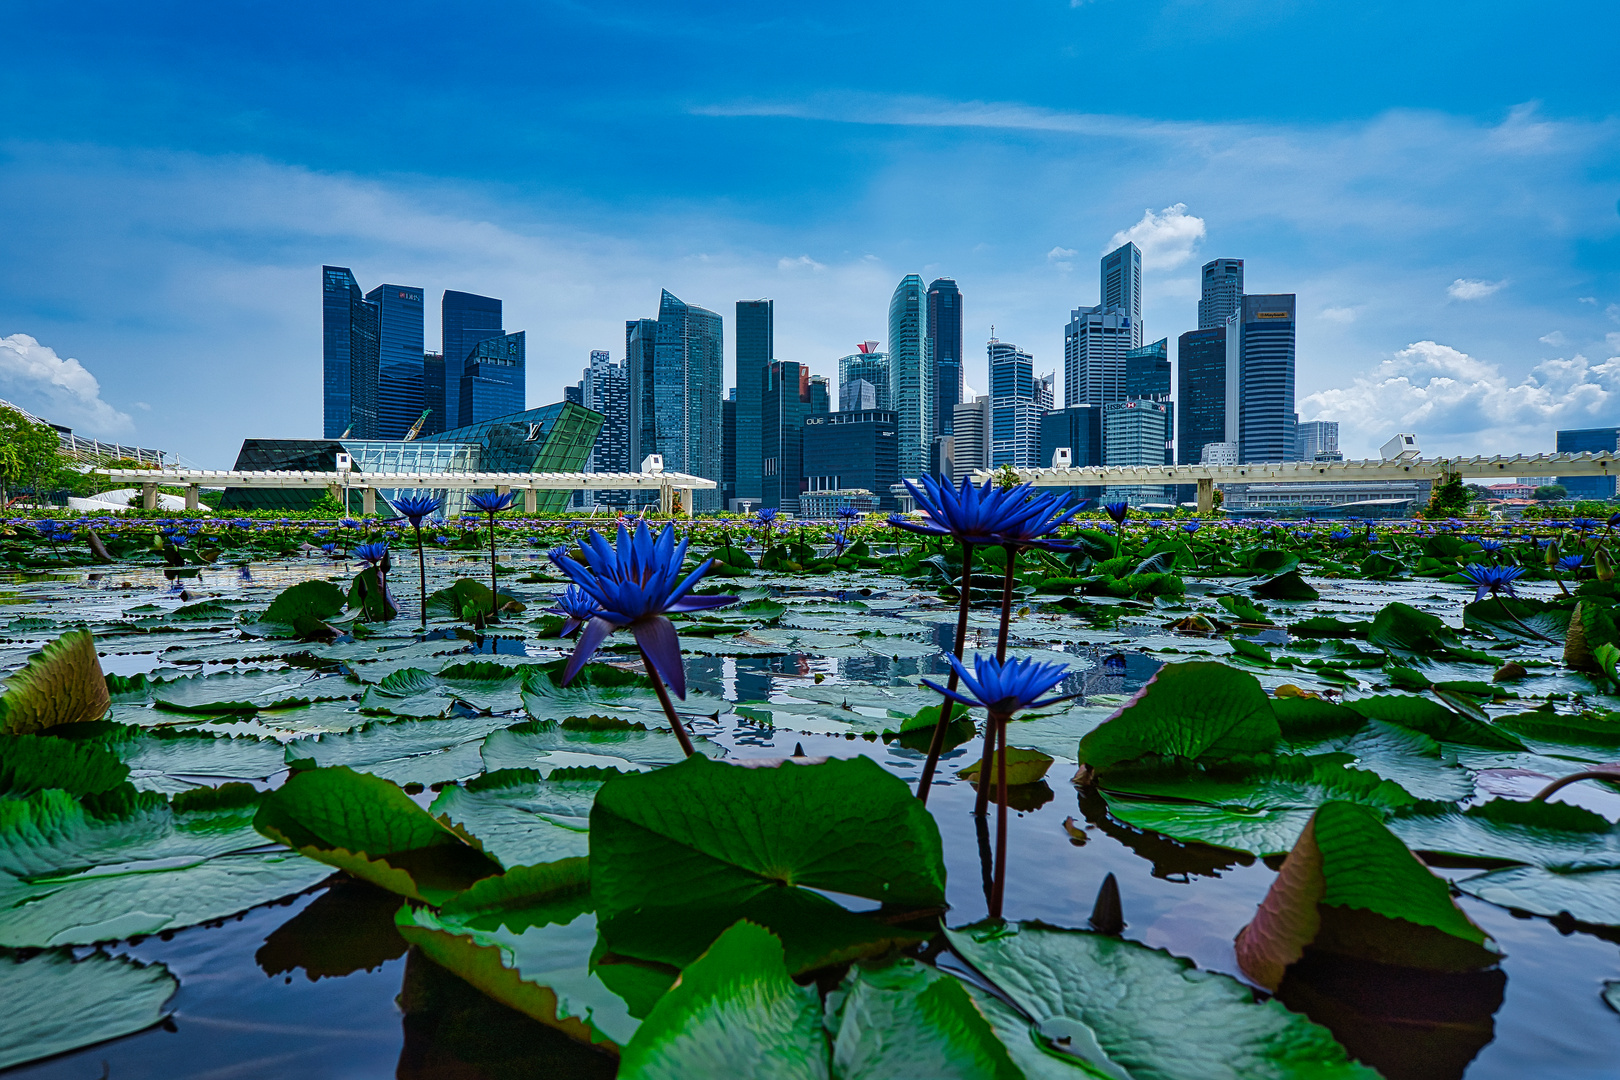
x,y
1439,183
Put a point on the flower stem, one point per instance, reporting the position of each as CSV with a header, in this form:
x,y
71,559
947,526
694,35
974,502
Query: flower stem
x,y
421,569
981,804
998,889
494,593
936,745
1501,603
669,707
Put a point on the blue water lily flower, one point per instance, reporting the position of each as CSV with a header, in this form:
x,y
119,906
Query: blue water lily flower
x,y
1570,563
1119,511
987,514
1490,580
577,607
1192,527
637,584
492,502
372,554
840,542
848,513
417,508
1005,687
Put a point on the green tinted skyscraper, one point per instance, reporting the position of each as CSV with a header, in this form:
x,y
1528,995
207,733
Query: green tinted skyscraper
x,y
911,383
756,347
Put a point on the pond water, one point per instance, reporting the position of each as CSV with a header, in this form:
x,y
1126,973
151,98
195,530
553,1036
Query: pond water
x,y
320,985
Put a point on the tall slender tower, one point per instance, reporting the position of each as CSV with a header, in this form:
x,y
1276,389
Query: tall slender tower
x,y
465,319
1122,286
677,365
910,382
756,348
350,336
1015,406
1223,292
945,350
401,371
1263,327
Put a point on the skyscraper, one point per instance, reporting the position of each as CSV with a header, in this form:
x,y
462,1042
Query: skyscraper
x,y
1015,414
1200,392
1147,378
1317,440
849,450
433,393
970,437
791,395
1589,440
911,389
465,320
728,443
400,353
1094,347
494,379
865,365
1122,286
604,387
1261,333
676,366
945,349
1223,291
756,348
350,339
1135,432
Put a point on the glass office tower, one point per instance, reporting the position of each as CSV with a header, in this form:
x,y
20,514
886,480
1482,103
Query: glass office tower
x,y
465,320
791,395
1015,411
401,370
911,384
1200,392
945,350
1265,377
1094,346
846,451
493,379
677,367
865,365
350,338
756,348
1147,378
1579,440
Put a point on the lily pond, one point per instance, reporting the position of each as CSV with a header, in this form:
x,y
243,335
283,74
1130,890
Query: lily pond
x,y
262,815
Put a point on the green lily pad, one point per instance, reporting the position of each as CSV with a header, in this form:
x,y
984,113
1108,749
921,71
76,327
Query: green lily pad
x,y
1197,710
681,853
519,818
735,1012
1154,1015
53,1004
370,828
61,684
547,744
1350,887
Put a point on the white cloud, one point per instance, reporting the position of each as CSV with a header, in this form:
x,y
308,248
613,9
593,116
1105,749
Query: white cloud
x,y
1555,338
59,389
1613,311
1339,314
1613,340
1588,300
1167,238
1061,253
1459,404
803,262
1472,288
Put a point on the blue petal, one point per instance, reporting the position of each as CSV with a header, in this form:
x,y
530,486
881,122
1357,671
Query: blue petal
x,y
590,639
658,640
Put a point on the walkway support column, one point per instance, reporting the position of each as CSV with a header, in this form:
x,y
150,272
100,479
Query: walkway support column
x,y
149,496
1206,496
191,496
531,501
368,500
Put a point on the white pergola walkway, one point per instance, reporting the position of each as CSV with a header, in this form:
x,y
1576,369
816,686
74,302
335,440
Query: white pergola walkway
x,y
338,484
1207,476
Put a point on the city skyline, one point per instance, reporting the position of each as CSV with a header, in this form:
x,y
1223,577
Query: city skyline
x,y
171,185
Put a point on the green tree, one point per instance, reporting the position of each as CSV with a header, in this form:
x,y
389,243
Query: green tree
x,y
1449,498
30,452
1550,493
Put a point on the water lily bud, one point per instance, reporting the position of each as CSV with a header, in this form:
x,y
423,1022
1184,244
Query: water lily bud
x,y
1605,568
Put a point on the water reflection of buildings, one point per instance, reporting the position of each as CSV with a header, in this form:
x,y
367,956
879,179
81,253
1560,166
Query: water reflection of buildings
x,y
1120,673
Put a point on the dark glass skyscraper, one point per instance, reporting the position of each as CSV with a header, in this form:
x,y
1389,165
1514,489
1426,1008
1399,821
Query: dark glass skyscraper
x,y
791,395
433,393
677,364
945,350
1223,291
493,380
1589,440
350,340
1200,392
756,348
400,389
466,319
1265,370
847,450
1147,378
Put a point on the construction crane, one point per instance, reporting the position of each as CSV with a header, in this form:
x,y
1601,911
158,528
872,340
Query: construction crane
x,y
346,431
416,428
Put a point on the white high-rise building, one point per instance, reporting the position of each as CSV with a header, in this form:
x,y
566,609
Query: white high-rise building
x,y
1122,286
970,426
1094,347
